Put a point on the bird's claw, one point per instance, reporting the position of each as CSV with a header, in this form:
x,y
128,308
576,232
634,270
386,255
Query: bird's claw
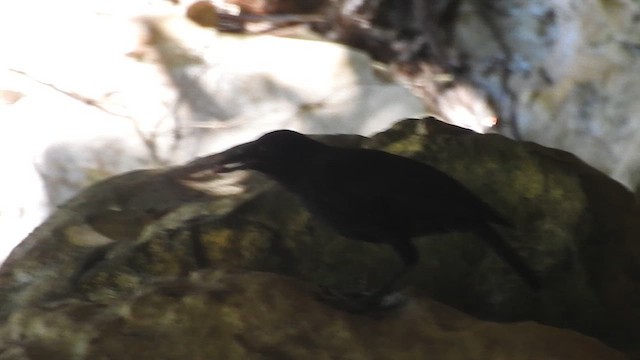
x,y
363,303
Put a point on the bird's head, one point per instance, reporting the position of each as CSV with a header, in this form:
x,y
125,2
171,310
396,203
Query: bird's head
x,y
275,153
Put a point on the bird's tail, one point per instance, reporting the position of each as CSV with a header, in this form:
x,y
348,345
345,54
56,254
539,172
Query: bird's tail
x,y
508,255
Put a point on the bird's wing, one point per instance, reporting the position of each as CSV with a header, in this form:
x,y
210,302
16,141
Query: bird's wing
x,y
376,184
381,178
388,185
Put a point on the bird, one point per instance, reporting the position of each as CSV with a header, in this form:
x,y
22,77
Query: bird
x,y
371,195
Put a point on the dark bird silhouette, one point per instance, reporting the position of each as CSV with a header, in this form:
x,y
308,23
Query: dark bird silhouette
x,y
370,195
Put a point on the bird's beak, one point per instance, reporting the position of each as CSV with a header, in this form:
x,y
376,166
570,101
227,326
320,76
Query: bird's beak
x,y
230,160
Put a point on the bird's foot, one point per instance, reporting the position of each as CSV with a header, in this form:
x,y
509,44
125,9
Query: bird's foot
x,y
363,303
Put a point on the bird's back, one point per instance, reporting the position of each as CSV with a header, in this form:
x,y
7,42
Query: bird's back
x,y
372,195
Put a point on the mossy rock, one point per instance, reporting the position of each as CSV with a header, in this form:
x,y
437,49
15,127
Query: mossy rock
x,y
576,227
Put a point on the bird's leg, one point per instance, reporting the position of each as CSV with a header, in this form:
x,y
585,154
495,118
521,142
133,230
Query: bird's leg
x,y
409,254
387,297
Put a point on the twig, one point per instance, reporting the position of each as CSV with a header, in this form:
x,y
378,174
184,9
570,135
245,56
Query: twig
x,y
148,141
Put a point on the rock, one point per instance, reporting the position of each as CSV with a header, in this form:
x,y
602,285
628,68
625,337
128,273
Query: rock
x,y
253,315
563,72
575,226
